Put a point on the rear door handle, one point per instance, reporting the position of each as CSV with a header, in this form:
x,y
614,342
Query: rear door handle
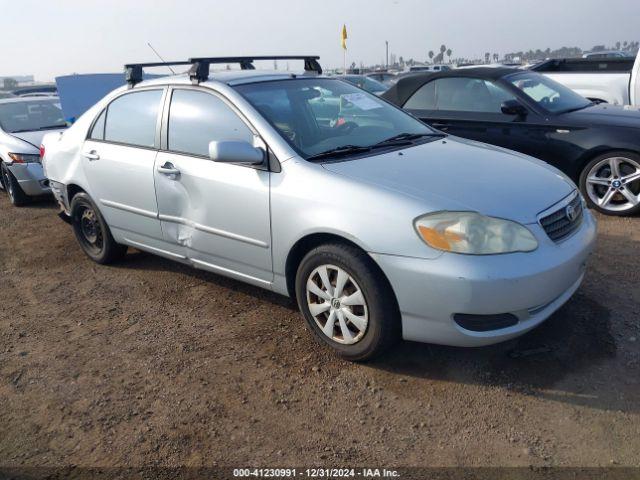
x,y
168,169
440,125
92,155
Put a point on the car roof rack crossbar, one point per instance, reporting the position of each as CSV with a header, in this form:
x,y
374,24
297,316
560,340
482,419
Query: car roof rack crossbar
x,y
199,71
133,71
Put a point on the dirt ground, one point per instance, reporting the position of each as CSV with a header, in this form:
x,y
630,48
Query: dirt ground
x,y
152,363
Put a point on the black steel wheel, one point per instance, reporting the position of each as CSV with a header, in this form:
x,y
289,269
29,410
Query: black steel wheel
x,y
92,232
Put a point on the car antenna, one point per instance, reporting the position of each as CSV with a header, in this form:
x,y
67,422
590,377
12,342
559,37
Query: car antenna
x,y
163,60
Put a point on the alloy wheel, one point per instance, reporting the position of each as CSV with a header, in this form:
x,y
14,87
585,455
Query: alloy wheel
x,y
337,304
614,184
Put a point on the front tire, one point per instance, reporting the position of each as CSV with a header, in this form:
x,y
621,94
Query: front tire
x,y
610,183
347,302
17,197
92,232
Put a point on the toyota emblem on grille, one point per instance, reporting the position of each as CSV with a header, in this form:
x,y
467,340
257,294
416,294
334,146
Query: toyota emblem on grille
x,y
571,212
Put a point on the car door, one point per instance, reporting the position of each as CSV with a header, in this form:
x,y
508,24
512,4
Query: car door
x,y
471,108
118,161
217,213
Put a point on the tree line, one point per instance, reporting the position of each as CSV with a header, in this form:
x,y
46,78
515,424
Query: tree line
x,y
444,55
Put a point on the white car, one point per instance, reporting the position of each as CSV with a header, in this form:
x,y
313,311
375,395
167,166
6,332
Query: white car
x,y
612,80
23,123
378,225
429,68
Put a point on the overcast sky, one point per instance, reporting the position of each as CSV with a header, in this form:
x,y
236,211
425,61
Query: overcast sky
x,y
54,37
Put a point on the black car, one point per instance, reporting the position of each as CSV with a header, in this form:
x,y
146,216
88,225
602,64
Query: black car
x,y
596,145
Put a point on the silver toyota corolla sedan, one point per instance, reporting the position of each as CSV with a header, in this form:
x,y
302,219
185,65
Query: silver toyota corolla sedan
x,y
23,123
381,227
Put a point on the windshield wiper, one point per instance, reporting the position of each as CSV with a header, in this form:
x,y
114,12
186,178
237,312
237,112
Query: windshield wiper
x,y
49,127
407,137
340,151
575,109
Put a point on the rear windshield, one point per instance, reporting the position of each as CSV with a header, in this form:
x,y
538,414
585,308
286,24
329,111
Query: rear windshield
x,y
31,115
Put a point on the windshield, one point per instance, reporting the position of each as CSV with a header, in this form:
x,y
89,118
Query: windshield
x,y
31,115
319,114
548,94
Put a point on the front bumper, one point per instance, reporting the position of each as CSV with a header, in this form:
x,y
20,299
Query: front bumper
x,y
530,286
31,178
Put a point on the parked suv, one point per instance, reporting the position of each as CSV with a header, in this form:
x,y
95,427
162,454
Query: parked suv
x,y
23,123
379,226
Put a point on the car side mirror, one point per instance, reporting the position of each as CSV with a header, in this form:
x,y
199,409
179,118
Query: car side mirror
x,y
513,107
236,152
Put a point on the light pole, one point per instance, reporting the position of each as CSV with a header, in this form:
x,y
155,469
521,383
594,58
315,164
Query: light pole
x,y
386,42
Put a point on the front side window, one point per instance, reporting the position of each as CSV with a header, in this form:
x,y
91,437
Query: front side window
x,y
548,93
132,118
460,94
31,115
318,114
197,118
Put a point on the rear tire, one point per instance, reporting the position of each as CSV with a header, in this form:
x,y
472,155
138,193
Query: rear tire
x,y
92,232
17,197
357,315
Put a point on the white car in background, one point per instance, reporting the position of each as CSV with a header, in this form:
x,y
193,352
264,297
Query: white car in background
x,y
429,68
614,80
23,123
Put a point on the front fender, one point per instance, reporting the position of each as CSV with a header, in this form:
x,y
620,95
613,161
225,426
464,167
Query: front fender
x,y
307,199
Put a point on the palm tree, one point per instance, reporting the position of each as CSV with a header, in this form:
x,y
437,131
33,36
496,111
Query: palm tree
x,y
431,54
617,45
487,57
449,52
443,48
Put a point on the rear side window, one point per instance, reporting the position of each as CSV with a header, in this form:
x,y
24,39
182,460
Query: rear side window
x,y
424,98
198,118
132,118
459,94
97,132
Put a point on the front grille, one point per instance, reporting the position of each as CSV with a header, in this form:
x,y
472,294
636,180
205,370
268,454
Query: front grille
x,y
559,225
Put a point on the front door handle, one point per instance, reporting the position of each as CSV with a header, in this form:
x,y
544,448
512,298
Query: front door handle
x,y
168,169
92,155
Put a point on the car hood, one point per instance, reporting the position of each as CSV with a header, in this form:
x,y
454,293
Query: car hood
x,y
456,174
35,137
605,114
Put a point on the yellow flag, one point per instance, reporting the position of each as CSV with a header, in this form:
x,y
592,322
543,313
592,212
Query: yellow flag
x,y
343,37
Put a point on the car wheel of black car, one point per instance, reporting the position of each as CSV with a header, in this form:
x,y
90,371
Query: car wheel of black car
x,y
610,183
347,302
17,197
92,232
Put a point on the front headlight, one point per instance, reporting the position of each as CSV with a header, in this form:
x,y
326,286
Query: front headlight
x,y
473,234
24,158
